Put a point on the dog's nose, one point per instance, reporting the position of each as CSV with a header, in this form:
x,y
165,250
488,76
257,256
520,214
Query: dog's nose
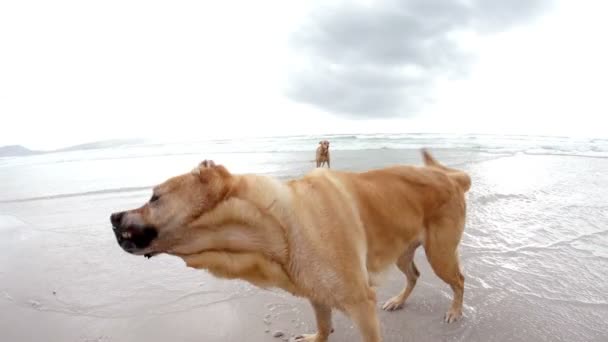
x,y
116,219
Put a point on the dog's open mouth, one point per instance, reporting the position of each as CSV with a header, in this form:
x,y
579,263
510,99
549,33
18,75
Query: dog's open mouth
x,y
136,240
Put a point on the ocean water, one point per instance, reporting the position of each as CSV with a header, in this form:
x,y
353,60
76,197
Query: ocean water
x,y
128,165
534,253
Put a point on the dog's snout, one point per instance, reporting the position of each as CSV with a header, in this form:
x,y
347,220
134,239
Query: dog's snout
x,y
131,233
116,219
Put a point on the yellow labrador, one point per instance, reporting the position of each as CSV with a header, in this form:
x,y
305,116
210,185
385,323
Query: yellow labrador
x,y
324,237
323,154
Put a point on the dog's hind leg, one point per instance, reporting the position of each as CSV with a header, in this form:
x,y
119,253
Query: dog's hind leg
x,y
441,243
406,264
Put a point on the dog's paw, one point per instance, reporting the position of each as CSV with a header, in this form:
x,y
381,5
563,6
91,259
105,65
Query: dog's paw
x,y
393,304
309,338
452,315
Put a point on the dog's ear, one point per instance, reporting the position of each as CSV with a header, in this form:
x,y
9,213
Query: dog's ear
x,y
321,142
205,164
208,169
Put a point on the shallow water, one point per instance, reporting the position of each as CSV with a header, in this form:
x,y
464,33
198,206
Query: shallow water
x,y
534,254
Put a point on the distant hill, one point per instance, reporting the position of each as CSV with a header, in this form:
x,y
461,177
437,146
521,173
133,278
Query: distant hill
x,y
16,150
101,144
20,151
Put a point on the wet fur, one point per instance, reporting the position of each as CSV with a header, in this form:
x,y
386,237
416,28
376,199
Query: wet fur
x,y
324,237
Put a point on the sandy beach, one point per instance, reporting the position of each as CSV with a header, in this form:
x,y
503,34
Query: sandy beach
x,y
534,253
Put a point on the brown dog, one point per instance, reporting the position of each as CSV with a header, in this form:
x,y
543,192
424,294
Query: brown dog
x,y
323,153
324,237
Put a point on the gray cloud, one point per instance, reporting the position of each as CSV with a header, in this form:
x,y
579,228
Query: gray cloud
x,y
380,60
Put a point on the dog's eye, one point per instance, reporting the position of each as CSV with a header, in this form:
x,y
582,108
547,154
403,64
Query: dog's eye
x,y
154,198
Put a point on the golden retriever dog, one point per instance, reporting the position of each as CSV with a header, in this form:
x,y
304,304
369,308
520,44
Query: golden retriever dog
x,y
323,153
325,237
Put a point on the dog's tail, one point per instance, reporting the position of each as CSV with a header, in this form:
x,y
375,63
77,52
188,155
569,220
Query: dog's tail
x,y
461,177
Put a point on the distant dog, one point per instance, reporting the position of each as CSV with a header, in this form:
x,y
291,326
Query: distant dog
x,y
325,236
323,153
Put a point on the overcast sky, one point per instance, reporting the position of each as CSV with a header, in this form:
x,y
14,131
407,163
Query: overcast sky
x,y
79,71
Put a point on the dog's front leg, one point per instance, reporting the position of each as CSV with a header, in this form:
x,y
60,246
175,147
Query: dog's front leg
x,y
363,313
324,326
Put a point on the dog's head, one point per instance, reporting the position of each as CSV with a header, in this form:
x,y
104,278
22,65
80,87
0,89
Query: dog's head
x,y
324,145
163,221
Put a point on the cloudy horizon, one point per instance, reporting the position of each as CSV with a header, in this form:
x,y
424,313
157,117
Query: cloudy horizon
x,y
73,72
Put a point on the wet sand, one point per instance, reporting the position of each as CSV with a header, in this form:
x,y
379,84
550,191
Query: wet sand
x,y
534,254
